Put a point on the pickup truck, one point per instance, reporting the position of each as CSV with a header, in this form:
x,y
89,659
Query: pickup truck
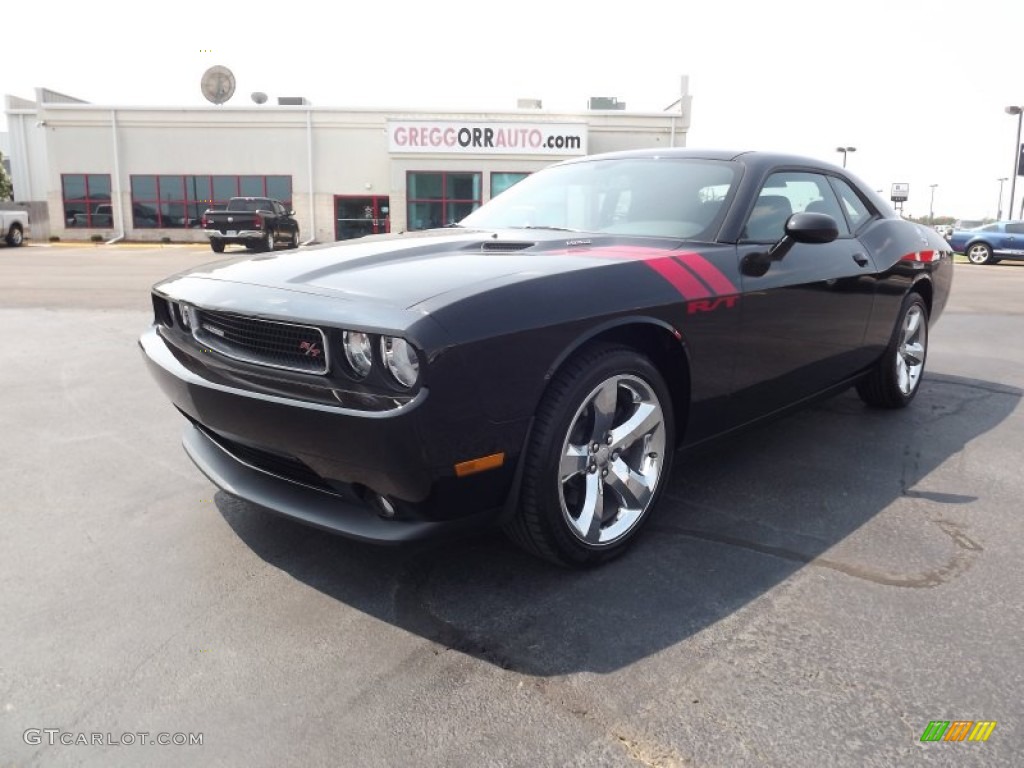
x,y
13,226
259,223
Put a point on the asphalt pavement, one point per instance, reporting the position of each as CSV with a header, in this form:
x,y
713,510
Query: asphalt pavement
x,y
812,592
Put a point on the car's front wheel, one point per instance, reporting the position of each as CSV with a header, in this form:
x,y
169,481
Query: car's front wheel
x,y
598,458
980,253
895,379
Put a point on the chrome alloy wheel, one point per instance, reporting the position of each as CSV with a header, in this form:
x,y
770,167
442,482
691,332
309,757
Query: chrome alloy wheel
x,y
979,254
612,459
910,353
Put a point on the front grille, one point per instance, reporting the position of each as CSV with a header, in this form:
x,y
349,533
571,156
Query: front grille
x,y
263,342
285,467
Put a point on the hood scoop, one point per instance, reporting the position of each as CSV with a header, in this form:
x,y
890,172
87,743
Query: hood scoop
x,y
503,246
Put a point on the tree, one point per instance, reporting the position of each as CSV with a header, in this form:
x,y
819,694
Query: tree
x,y
6,189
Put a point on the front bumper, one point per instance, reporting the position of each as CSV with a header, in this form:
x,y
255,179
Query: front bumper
x,y
345,458
307,505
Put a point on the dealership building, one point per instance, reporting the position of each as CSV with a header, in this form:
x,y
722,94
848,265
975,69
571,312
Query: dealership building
x,y
148,173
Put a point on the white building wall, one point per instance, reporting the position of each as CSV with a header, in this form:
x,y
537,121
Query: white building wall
x,y
350,153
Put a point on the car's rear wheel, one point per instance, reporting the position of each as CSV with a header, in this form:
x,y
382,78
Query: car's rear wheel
x,y
896,377
217,246
268,241
15,236
980,253
597,460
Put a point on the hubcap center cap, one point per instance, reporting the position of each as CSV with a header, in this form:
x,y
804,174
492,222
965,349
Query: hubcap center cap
x,y
602,456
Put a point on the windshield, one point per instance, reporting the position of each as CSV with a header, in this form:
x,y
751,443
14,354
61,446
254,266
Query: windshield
x,y
655,197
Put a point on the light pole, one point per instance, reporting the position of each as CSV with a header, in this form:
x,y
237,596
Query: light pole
x,y
999,206
1019,112
844,150
931,206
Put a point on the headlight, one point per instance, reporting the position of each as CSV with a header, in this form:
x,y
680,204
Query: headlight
x,y
400,358
358,352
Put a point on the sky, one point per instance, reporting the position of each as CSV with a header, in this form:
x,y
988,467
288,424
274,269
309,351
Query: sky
x,y
919,88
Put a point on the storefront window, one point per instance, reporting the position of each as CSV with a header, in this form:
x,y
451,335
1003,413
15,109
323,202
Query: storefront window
x,y
178,202
441,199
87,200
502,181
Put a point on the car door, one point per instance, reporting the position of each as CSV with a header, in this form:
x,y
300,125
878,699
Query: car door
x,y
803,319
1012,241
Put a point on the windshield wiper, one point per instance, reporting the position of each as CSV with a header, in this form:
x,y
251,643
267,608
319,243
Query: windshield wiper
x,y
553,229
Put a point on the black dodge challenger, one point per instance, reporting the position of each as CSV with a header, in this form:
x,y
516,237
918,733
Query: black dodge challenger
x,y
537,366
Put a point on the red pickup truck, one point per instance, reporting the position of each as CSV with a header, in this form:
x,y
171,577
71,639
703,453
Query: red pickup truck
x,y
258,223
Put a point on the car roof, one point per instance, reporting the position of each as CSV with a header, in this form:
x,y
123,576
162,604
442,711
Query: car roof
x,y
752,158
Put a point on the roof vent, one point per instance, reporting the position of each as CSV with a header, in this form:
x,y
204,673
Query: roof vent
x,y
292,101
605,102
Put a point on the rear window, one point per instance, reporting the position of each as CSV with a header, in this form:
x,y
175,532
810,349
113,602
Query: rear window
x,y
258,204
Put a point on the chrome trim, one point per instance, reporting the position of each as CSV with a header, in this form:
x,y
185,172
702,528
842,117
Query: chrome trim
x,y
156,350
248,234
197,327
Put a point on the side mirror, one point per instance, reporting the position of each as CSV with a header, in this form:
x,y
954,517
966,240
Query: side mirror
x,y
291,212
813,228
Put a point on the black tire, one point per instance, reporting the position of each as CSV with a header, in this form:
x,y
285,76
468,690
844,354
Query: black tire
x,y
295,240
217,246
891,383
566,421
15,236
267,243
980,253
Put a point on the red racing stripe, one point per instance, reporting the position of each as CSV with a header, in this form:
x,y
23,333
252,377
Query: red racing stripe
x,y
708,272
688,286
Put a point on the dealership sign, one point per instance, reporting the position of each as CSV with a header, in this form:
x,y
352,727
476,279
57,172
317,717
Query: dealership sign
x,y
900,193
486,138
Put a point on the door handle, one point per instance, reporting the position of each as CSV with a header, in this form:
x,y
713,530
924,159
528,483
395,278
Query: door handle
x,y
861,259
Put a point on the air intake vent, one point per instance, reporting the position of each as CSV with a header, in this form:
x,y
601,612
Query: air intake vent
x,y
504,245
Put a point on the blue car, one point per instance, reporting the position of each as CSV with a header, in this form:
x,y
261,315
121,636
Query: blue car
x,y
991,243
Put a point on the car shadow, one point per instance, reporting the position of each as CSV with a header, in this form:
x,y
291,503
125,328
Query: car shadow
x,y
738,519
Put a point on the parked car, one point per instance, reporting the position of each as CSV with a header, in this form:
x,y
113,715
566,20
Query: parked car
x,y
259,223
537,366
991,243
14,226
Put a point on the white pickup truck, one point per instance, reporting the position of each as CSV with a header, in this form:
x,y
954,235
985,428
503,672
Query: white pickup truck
x,y
13,226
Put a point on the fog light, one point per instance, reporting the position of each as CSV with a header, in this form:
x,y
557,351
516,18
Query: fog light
x,y
384,507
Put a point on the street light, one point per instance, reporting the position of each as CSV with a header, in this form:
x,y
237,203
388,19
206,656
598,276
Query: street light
x,y
999,205
1019,112
931,206
844,150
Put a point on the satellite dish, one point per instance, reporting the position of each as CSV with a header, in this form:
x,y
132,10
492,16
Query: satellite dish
x,y
259,97
218,84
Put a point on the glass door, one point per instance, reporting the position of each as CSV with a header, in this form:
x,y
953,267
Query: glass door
x,y
357,216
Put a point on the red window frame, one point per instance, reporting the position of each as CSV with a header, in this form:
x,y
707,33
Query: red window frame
x,y
88,200
202,203
444,200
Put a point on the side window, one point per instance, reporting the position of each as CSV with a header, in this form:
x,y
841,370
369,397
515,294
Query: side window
x,y
1016,228
786,193
856,209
